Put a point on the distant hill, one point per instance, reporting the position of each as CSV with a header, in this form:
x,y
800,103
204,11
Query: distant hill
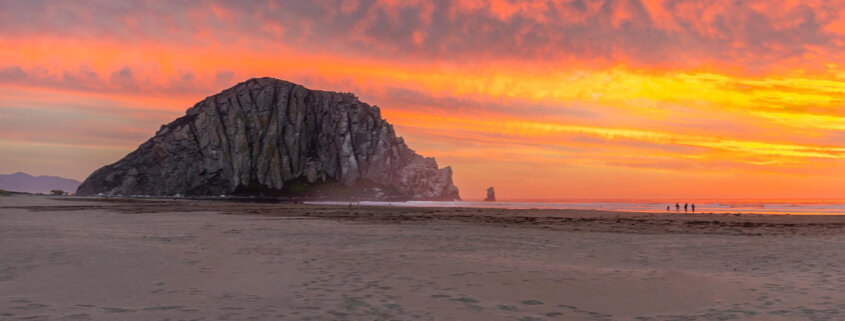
x,y
23,182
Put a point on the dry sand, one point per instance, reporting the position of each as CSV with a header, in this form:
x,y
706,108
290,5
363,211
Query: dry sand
x,y
89,259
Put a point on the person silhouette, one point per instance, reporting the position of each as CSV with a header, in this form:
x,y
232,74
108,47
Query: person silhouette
x,y
685,207
677,207
693,207
668,207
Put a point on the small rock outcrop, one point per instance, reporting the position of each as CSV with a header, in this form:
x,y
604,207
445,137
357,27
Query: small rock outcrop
x,y
491,195
272,137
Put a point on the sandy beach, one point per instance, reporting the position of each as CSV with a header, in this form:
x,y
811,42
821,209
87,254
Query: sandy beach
x,y
89,259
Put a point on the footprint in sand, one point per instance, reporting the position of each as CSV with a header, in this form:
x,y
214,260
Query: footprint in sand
x,y
31,306
334,313
227,316
531,302
467,300
163,308
117,310
507,307
231,308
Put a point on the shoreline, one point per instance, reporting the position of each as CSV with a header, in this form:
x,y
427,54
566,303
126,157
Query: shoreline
x,y
803,207
549,219
509,205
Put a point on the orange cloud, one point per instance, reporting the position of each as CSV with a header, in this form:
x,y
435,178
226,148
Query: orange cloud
x,y
581,94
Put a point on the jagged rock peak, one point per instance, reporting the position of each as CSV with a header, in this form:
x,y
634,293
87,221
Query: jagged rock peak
x,y
271,136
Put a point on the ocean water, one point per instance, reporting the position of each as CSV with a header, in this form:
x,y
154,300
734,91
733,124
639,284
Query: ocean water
x,y
792,207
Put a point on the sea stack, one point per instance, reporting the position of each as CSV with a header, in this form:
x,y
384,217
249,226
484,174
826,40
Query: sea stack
x,y
491,195
272,137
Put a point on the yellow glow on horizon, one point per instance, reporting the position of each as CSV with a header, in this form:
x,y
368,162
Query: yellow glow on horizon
x,y
547,133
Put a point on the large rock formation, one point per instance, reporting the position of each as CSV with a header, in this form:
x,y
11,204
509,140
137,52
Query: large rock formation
x,y
273,137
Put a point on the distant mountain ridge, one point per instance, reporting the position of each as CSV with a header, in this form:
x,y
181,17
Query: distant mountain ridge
x,y
23,182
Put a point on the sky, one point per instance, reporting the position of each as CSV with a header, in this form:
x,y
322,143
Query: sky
x,y
556,99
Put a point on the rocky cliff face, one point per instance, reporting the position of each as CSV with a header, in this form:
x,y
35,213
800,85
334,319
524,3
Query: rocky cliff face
x,y
274,137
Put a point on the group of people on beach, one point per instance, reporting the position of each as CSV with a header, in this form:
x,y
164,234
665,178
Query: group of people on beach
x,y
678,207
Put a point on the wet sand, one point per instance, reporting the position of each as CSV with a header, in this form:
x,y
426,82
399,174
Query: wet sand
x,y
88,259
